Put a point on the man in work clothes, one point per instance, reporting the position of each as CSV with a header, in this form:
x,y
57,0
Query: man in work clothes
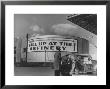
x,y
66,65
57,62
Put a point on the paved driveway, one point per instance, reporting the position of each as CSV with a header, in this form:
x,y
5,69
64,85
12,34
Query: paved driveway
x,y
33,71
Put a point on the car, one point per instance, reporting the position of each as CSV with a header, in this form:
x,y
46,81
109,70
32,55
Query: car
x,y
84,64
90,65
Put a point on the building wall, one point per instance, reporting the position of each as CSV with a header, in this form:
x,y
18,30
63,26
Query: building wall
x,y
93,51
18,45
85,46
82,45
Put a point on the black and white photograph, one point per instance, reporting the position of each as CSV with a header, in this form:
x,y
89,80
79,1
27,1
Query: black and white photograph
x,y
55,44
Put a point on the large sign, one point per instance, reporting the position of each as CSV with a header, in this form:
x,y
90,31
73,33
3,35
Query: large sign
x,y
51,45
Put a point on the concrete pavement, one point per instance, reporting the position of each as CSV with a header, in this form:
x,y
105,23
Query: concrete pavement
x,y
33,71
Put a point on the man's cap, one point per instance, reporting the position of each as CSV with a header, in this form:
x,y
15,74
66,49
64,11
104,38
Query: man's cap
x,y
58,48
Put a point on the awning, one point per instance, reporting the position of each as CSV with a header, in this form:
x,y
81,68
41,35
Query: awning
x,y
86,21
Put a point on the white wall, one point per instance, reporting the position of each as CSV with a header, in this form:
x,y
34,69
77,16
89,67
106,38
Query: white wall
x,y
40,57
93,51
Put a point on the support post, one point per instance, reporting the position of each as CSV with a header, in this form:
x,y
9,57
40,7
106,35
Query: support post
x,y
26,46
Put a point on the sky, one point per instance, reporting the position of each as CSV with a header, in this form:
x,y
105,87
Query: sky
x,y
40,23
